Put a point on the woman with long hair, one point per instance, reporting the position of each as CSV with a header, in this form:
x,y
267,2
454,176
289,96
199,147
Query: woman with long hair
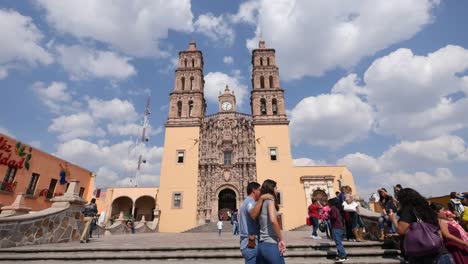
x,y
271,246
455,237
413,206
388,207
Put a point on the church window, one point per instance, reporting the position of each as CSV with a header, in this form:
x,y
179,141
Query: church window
x,y
274,106
268,61
279,198
185,62
179,109
190,106
227,158
273,154
262,82
191,82
182,80
193,63
271,81
263,110
176,200
261,61
180,156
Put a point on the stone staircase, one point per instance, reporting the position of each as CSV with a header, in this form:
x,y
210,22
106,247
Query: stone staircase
x,y
190,248
211,228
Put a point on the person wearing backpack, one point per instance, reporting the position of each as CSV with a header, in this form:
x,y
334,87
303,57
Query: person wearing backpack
x,y
419,225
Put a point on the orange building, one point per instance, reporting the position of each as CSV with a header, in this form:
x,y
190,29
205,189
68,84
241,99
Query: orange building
x,y
37,174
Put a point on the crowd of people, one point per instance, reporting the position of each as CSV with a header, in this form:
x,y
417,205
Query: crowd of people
x,y
407,213
430,232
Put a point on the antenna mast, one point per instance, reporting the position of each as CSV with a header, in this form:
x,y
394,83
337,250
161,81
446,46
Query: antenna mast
x,y
143,141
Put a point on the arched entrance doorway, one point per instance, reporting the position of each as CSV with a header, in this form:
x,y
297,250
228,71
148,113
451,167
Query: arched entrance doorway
x,y
144,206
320,196
122,204
226,202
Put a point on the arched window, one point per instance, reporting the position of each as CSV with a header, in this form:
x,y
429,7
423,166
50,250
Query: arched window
x,y
185,62
191,83
193,63
268,61
271,82
262,82
179,109
263,110
182,80
190,108
274,106
261,61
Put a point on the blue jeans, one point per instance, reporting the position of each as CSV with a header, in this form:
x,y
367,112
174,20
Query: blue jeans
x,y
338,236
250,255
235,228
385,219
268,253
315,224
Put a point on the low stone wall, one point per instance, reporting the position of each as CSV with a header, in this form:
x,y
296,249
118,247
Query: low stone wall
x,y
60,223
53,225
371,223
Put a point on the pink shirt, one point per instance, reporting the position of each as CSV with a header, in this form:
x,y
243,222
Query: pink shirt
x,y
325,212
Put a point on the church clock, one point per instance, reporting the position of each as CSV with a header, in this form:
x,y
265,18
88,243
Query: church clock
x,y
226,106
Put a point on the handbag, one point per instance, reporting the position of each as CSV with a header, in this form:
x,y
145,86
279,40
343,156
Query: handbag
x,y
322,226
308,222
422,239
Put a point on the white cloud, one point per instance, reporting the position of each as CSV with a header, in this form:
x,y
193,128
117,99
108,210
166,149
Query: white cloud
x,y
228,60
86,63
215,28
411,93
215,82
56,96
21,42
417,164
115,110
307,162
115,164
312,37
330,120
131,129
134,27
247,13
5,131
35,143
75,126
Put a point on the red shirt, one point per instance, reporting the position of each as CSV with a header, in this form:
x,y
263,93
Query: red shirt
x,y
314,210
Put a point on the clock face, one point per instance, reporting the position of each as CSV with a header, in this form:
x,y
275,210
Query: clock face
x,y
226,106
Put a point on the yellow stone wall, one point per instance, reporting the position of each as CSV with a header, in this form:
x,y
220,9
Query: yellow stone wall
x,y
179,178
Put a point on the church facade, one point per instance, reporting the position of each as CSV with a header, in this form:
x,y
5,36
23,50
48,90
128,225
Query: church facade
x,y
208,160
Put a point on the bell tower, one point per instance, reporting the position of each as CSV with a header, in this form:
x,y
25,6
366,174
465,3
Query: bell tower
x,y
177,197
273,150
187,105
267,96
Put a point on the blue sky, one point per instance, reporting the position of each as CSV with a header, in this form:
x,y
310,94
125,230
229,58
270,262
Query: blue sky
x,y
378,86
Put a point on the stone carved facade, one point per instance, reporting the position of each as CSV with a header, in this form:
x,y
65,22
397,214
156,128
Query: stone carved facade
x,y
229,134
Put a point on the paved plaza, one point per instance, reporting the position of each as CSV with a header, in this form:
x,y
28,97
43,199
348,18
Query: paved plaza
x,y
180,248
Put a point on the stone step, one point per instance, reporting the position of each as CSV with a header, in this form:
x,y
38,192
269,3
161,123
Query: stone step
x,y
187,254
77,247
211,228
351,260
